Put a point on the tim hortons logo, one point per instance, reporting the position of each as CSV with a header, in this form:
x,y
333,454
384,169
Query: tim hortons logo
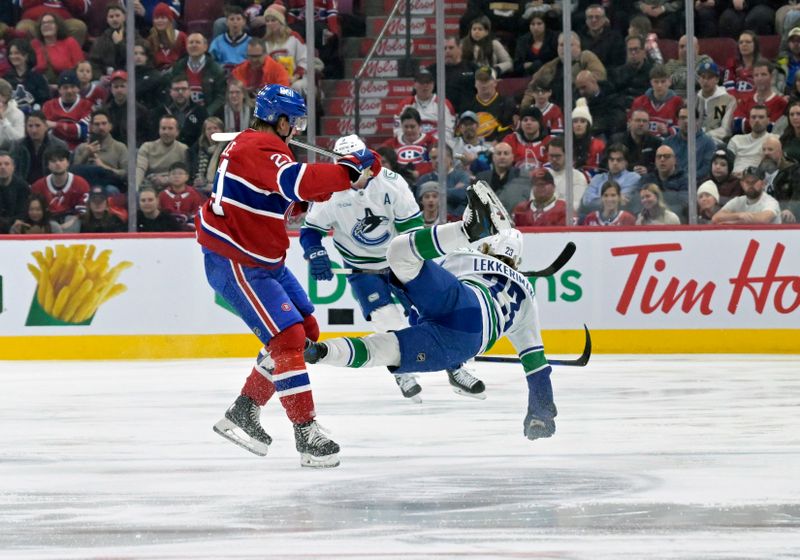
x,y
768,291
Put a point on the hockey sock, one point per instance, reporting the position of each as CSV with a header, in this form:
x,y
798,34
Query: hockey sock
x,y
259,386
290,377
380,349
540,389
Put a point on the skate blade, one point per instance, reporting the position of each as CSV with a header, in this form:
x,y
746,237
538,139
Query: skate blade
x,y
480,396
416,399
233,433
325,462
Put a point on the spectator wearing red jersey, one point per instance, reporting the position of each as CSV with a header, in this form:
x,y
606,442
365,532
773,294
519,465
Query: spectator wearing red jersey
x,y
660,102
529,141
611,213
56,51
411,145
544,207
72,12
167,43
552,117
87,88
763,94
738,75
65,192
68,114
179,199
259,69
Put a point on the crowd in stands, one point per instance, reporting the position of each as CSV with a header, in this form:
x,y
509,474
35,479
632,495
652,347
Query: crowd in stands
x,y
64,104
63,109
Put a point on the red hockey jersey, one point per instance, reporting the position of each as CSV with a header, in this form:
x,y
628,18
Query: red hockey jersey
x,y
416,153
68,200
183,206
256,183
528,155
72,123
775,104
665,112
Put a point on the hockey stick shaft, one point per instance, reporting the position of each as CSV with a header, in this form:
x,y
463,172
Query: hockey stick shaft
x,y
228,136
580,361
561,260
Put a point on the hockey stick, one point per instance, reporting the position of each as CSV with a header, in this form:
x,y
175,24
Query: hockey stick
x,y
580,361
228,136
561,260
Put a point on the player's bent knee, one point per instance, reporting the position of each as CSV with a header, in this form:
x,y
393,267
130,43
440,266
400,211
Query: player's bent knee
x,y
286,348
402,260
388,318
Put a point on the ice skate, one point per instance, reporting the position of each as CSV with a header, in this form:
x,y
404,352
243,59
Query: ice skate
x,y
536,427
485,215
464,383
242,426
409,386
316,450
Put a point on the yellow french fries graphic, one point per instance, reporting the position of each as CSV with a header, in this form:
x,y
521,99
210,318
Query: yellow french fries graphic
x,y
73,283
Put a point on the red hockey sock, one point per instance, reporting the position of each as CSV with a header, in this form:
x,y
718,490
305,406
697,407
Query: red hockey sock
x,y
290,377
258,386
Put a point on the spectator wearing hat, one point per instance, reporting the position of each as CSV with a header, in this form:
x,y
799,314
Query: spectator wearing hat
x,y
180,199
28,152
117,109
12,120
56,50
259,69
167,43
610,212
411,145
588,150
762,94
641,144
459,75
603,104
480,47
754,207
715,103
230,48
707,202
286,47
496,114
427,103
655,211
14,192
781,179
536,47
552,73
190,115
64,192
153,160
552,117
660,103
35,90
790,62
529,141
428,200
70,13
746,148
68,114
632,78
108,50
543,207
206,78
149,217
722,176
471,152
557,164
628,181
101,160
704,146
98,218
456,180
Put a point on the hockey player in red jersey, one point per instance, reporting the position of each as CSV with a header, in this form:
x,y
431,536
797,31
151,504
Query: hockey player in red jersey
x,y
243,234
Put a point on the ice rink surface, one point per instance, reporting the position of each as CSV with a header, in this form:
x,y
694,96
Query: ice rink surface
x,y
666,457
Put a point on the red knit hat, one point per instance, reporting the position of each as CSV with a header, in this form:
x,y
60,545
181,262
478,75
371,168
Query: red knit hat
x,y
162,10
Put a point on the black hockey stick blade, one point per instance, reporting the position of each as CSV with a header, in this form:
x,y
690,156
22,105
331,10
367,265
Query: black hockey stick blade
x,y
580,361
561,260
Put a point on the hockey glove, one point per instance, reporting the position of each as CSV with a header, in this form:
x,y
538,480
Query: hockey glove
x,y
359,162
319,263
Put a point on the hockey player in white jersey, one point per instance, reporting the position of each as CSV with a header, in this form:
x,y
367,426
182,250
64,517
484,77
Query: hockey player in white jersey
x,y
465,303
364,223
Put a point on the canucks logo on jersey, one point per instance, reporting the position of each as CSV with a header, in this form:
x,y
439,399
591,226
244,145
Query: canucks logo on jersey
x,y
368,224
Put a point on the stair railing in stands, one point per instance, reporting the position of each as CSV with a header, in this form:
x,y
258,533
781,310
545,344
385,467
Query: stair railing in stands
x,y
404,69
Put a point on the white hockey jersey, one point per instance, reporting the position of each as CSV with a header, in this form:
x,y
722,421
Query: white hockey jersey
x,y
506,298
365,221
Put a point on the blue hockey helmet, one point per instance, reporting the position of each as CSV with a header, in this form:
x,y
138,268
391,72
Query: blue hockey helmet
x,y
274,101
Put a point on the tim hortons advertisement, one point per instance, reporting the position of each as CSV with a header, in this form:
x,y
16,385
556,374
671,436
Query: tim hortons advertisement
x,y
616,281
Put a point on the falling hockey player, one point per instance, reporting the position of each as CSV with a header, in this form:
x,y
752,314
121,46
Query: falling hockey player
x,y
364,222
465,303
243,234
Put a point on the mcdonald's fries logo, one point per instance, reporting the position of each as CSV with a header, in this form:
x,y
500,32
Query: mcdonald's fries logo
x,y
72,284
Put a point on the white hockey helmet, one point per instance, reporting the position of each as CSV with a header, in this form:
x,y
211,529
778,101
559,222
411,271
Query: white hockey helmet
x,y
507,243
349,144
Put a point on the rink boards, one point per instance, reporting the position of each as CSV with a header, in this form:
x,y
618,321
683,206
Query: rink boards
x,y
656,290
